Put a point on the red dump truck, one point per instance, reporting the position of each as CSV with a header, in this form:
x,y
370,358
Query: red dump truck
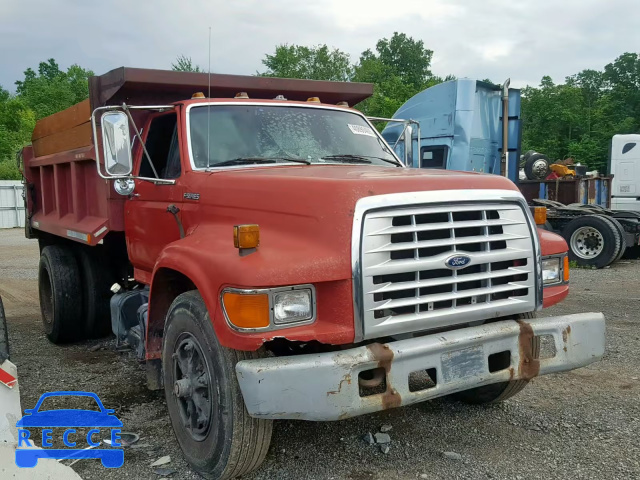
x,y
274,259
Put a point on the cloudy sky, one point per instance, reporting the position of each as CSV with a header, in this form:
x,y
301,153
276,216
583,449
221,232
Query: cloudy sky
x,y
521,39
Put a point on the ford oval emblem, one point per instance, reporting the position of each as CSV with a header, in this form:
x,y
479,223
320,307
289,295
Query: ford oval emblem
x,y
457,261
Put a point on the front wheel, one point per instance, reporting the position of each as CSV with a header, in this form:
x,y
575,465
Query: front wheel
x,y
215,432
497,392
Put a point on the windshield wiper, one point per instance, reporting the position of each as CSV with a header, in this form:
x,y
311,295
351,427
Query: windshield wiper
x,y
351,158
258,160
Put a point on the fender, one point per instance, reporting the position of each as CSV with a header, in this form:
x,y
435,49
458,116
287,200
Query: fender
x,y
553,244
206,256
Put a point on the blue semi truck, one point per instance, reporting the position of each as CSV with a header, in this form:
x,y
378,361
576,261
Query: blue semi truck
x,y
457,125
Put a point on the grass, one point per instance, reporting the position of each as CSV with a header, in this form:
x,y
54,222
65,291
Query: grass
x,y
9,170
574,264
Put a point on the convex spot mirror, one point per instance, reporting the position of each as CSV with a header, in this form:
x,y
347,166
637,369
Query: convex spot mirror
x,y
116,143
124,186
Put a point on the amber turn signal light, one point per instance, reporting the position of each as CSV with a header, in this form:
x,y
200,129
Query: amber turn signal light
x,y
246,236
540,215
247,310
566,269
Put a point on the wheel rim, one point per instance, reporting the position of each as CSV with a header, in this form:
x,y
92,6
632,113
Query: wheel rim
x,y
192,386
539,168
587,243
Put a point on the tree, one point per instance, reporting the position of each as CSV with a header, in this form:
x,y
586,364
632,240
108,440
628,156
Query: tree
x,y
51,89
405,58
16,124
314,63
553,116
38,95
185,64
399,68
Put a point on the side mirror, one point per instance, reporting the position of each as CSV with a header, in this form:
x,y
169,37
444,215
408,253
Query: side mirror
x,y
116,143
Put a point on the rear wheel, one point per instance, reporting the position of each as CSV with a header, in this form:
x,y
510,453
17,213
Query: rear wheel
x,y
217,436
60,294
96,282
622,234
593,240
497,392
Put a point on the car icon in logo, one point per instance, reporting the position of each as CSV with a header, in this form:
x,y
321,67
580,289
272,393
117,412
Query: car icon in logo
x,y
70,419
457,261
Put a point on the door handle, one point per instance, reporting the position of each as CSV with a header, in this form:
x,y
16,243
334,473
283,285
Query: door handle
x,y
173,210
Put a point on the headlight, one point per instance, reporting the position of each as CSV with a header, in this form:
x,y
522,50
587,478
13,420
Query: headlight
x,y
293,306
269,308
551,270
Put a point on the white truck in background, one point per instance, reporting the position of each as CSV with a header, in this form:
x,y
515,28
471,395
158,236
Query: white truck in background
x,y
624,165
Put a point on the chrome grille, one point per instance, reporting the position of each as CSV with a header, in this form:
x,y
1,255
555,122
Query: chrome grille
x,y
407,286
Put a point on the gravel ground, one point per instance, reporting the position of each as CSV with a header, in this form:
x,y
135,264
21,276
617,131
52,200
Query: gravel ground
x,y
582,424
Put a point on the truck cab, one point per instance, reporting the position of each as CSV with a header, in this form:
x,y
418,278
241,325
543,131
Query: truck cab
x,y
624,165
286,264
460,124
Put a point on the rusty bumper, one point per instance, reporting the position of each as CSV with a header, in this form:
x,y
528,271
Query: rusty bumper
x,y
325,386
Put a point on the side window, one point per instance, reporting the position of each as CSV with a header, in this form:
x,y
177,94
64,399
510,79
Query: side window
x,y
434,156
628,147
162,145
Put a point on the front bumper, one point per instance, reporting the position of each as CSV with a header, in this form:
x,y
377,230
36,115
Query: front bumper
x,y
325,386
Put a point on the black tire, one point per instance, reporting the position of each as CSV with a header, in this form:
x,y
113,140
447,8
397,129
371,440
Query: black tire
x,y
536,167
96,282
623,235
593,240
230,443
498,392
60,294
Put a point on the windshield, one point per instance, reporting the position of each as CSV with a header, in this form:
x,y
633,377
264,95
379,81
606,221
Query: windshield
x,y
277,133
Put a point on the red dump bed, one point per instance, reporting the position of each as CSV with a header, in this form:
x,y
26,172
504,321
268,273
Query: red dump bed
x,y
66,197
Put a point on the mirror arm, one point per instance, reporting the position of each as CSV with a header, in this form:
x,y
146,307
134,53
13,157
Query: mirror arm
x,y
144,147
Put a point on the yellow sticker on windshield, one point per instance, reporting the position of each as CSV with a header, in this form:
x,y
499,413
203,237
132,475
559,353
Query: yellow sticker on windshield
x,y
361,130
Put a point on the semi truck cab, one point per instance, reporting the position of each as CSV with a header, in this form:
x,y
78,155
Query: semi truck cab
x,y
285,263
624,165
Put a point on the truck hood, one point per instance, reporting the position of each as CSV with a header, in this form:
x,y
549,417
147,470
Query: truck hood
x,y
306,216
331,189
304,212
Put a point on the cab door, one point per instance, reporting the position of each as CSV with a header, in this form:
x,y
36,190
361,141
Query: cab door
x,y
149,225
